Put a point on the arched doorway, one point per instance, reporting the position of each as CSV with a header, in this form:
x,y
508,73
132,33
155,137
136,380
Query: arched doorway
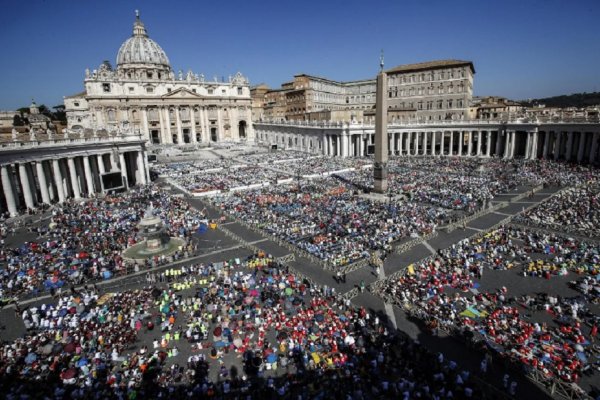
x,y
213,134
242,130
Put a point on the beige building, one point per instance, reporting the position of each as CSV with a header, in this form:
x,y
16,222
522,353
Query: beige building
x,y
257,93
494,108
431,91
144,95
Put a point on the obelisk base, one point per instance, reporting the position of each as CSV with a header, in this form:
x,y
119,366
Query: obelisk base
x,y
380,173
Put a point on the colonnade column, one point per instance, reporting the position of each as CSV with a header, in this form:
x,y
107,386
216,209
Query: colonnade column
x,y
433,140
582,137
569,146
74,182
546,145
41,174
479,139
451,150
88,175
169,135
24,178
460,142
400,134
58,180
470,144
557,140
594,147
9,195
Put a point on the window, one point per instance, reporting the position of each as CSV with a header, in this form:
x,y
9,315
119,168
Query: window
x,y
76,104
450,103
440,104
168,90
194,90
240,91
223,91
149,75
149,90
130,89
106,87
211,91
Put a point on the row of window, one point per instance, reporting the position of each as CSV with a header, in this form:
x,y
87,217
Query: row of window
x,y
420,91
427,76
149,89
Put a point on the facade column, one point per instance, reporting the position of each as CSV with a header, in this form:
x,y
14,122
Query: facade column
x,y
123,166
220,130
141,168
88,175
163,134
580,152
24,177
594,150
74,182
58,179
145,129
178,123
206,125
569,146
451,151
101,167
42,180
9,194
169,138
507,144
557,140
193,123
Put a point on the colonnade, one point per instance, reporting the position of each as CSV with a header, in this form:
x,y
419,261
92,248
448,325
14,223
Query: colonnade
x,y
29,183
574,143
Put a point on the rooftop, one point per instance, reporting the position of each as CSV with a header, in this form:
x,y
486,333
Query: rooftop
x,y
437,64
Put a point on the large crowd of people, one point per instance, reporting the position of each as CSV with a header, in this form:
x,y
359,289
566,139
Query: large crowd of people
x,y
328,220
85,240
443,290
291,340
575,210
228,179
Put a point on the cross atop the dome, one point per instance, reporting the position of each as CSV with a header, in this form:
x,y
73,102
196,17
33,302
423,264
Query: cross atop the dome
x,y
137,14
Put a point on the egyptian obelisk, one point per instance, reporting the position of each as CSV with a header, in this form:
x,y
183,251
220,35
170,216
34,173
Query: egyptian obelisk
x,y
381,138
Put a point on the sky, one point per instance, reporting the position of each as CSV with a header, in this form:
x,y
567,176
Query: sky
x,y
521,49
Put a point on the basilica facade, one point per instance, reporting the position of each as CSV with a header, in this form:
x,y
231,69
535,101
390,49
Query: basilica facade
x,y
144,95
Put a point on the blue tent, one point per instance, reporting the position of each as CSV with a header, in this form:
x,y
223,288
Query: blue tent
x,y
202,228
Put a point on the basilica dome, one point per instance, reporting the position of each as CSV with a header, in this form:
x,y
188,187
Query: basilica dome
x,y
140,49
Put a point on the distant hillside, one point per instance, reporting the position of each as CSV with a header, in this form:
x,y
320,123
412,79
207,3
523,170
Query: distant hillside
x,y
571,100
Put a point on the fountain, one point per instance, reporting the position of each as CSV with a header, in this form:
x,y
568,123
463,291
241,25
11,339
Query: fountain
x,y
156,241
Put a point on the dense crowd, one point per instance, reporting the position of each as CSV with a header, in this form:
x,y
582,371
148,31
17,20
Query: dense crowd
x,y
184,168
292,339
228,179
328,220
442,290
574,210
84,240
